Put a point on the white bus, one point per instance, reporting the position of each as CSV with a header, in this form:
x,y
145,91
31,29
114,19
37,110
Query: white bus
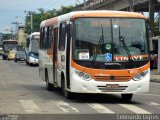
x,y
9,45
32,47
95,52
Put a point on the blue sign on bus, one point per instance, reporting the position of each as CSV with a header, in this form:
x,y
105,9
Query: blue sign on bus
x,y
108,57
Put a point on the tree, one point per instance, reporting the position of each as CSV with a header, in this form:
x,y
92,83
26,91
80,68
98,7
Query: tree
x,y
156,28
41,15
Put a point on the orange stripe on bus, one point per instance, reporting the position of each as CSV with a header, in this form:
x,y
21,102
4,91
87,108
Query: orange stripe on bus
x,y
50,52
109,14
120,75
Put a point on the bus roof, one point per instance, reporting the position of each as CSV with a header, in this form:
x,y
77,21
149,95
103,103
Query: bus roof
x,y
10,41
35,33
93,13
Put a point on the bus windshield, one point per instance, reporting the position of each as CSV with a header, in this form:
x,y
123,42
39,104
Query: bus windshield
x,y
110,39
34,44
9,46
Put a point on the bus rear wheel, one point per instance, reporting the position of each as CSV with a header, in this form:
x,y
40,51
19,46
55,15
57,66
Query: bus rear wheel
x,y
126,97
48,85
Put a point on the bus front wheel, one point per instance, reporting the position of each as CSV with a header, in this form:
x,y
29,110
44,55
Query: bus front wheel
x,y
66,93
126,97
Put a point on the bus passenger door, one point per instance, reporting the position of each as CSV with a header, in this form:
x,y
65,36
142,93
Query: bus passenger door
x,y
55,39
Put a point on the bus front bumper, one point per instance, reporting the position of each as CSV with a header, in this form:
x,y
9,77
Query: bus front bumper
x,y
33,60
81,86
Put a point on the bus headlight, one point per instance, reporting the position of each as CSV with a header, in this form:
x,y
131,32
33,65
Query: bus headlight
x,y
140,76
83,75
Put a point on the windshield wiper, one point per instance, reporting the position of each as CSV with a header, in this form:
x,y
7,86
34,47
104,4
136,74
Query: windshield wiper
x,y
101,41
122,39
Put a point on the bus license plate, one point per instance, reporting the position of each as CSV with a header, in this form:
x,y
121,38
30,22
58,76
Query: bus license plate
x,y
112,86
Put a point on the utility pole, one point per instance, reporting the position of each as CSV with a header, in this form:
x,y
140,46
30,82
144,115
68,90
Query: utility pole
x,y
159,21
16,27
16,31
84,4
151,14
31,22
30,14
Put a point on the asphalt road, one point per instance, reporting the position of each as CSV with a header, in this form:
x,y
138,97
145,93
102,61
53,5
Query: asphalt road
x,y
23,92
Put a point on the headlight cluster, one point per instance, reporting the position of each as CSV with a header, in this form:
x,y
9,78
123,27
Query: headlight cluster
x,y
32,55
83,75
140,76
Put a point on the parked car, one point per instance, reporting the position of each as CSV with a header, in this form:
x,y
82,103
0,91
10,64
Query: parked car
x,y
20,56
11,55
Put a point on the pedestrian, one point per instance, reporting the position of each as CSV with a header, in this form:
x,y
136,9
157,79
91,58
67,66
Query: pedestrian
x,y
152,60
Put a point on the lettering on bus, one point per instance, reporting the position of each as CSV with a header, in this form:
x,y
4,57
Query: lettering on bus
x,y
124,58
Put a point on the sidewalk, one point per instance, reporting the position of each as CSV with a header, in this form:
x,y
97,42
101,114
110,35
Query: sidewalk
x,y
154,76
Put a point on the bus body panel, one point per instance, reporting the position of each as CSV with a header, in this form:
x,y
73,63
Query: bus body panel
x,y
130,86
80,86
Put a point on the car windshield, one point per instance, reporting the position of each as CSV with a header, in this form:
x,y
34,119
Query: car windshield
x,y
110,39
20,53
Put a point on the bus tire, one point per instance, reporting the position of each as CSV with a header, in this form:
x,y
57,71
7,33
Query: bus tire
x,y
126,97
27,63
66,93
30,64
4,58
48,85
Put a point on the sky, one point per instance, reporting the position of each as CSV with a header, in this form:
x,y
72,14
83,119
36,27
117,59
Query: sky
x,y
14,10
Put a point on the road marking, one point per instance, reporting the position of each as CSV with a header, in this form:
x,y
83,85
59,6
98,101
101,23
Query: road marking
x,y
154,104
135,109
29,106
147,94
100,108
65,107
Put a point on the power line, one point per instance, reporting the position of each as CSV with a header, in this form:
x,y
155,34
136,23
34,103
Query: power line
x,y
45,3
53,4
58,2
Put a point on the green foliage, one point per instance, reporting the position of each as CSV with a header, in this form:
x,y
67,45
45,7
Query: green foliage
x,y
6,36
41,15
156,29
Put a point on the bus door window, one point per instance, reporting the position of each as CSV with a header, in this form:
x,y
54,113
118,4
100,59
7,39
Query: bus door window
x,y
50,37
46,38
62,36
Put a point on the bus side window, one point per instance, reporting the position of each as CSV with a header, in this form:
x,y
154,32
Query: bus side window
x,y
46,38
55,39
62,36
50,28
42,39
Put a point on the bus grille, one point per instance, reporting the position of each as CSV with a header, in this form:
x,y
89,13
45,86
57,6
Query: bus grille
x,y
112,78
105,89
